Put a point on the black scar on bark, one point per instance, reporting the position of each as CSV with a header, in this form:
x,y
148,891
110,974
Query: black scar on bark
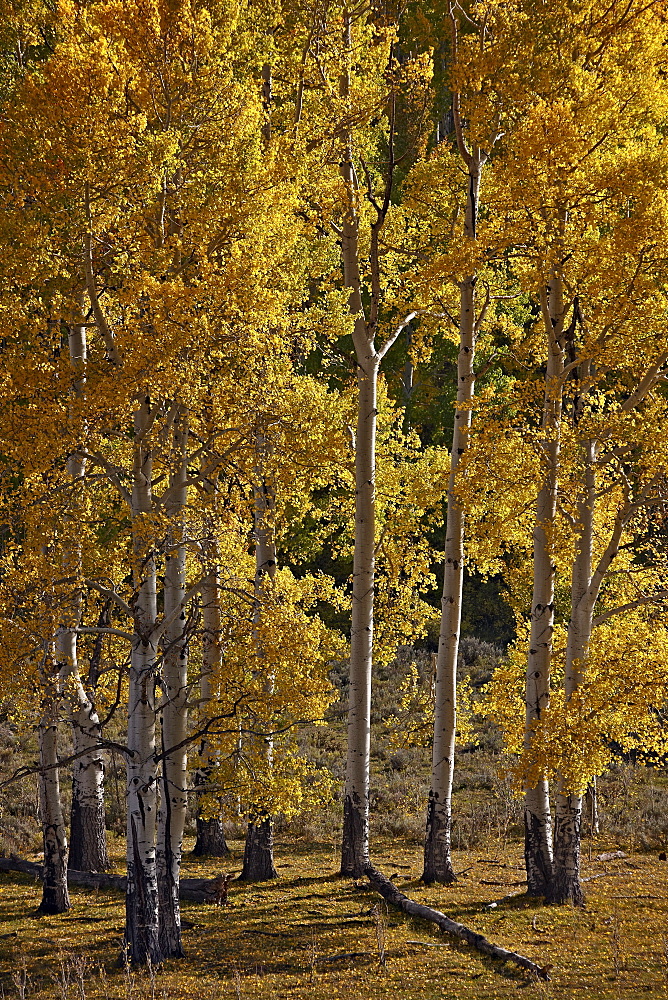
x,y
539,878
437,860
566,886
352,861
55,897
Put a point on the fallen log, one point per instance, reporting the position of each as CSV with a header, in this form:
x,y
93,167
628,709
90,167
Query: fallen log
x,y
611,856
196,890
390,892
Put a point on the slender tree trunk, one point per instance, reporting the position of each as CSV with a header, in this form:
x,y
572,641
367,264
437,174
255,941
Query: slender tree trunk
x,y
355,845
568,812
210,836
141,912
537,814
592,805
88,842
355,842
437,859
259,849
55,897
173,802
355,849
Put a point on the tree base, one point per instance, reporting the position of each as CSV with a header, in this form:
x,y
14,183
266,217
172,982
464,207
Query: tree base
x,y
437,860
566,890
55,897
210,841
53,902
566,887
259,852
355,844
538,862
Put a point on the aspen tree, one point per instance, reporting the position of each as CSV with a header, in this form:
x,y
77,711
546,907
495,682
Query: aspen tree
x,y
174,711
571,97
210,840
55,895
437,860
259,848
367,86
537,815
369,357
141,319
88,845
600,529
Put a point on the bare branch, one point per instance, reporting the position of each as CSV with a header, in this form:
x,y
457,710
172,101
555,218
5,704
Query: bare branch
x,y
113,474
105,631
160,627
100,744
111,594
647,384
661,597
393,337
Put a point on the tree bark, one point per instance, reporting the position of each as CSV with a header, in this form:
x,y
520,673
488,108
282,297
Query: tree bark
x,y
568,811
141,910
55,897
259,852
259,847
355,843
88,841
437,859
537,814
210,840
592,804
174,715
355,847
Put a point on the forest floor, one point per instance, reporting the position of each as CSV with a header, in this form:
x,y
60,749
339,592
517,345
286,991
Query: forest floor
x,y
311,934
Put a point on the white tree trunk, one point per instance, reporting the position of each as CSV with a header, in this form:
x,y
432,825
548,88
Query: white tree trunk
x,y
259,849
437,859
141,923
568,809
55,897
88,842
174,800
355,842
355,848
537,814
210,840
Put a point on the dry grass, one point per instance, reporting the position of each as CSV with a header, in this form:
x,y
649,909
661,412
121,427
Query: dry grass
x,y
312,934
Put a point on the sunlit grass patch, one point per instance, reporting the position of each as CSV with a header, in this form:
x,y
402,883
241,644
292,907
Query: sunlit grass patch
x,y
312,934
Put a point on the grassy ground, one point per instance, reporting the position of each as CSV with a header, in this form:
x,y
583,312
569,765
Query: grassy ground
x,y
311,934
